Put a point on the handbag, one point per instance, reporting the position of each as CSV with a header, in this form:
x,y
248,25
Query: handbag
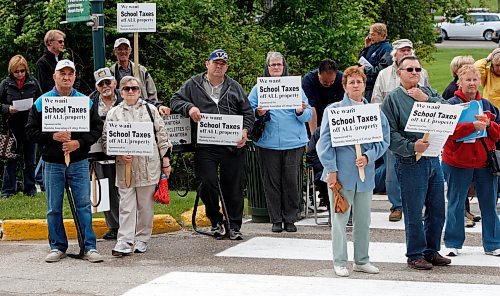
x,y
340,204
493,159
259,126
8,145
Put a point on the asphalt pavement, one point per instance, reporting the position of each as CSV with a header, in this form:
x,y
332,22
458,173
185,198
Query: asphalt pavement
x,y
467,44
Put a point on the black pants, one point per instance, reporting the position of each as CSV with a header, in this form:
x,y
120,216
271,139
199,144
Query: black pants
x,y
280,175
229,164
109,171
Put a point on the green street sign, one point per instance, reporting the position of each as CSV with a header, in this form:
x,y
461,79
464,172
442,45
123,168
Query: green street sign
x,y
77,11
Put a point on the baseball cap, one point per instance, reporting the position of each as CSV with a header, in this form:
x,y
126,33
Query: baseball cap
x,y
102,74
401,43
218,54
65,64
122,41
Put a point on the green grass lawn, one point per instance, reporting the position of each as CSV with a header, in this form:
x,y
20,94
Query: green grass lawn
x,y
491,4
439,69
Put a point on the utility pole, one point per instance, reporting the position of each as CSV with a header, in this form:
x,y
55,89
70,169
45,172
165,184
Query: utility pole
x,y
97,23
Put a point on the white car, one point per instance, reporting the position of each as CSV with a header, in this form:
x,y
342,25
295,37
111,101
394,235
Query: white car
x,y
480,25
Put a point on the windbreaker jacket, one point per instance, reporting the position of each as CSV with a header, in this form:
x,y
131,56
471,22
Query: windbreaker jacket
x,y
52,149
489,81
285,130
45,67
379,56
342,159
146,170
233,101
148,89
471,155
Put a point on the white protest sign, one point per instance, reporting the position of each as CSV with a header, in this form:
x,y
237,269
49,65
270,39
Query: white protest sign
x,y
178,129
356,124
433,118
129,138
136,17
279,92
65,114
220,129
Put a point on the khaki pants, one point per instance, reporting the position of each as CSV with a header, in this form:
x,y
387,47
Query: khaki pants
x,y
136,213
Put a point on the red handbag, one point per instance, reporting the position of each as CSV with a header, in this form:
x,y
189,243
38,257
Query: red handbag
x,y
161,194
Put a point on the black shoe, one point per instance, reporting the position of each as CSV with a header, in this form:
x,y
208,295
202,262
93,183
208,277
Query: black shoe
x,y
111,234
235,234
277,227
438,260
290,227
419,264
219,230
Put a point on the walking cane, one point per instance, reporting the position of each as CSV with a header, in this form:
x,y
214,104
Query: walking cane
x,y
79,232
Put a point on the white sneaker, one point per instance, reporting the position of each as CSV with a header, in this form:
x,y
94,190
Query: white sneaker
x,y
55,256
93,256
368,268
452,252
121,249
493,253
341,270
140,247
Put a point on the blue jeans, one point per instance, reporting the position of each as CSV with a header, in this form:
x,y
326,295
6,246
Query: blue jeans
x,y
422,183
391,181
9,187
485,184
78,177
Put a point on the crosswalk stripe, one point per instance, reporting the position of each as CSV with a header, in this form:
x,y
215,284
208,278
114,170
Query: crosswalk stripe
x,y
226,284
311,249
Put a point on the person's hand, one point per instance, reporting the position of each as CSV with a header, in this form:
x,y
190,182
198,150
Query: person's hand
x,y
243,140
70,146
421,146
301,109
368,41
195,114
166,167
490,56
126,158
164,110
418,94
331,179
261,111
12,110
484,118
479,125
362,161
62,137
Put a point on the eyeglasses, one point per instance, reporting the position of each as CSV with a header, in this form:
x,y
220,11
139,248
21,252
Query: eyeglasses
x,y
20,71
277,65
411,69
60,41
105,81
130,88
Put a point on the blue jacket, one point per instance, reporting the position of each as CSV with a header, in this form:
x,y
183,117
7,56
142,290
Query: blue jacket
x,y
286,130
342,159
379,55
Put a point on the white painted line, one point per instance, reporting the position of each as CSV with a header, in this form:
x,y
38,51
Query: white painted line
x,y
381,197
310,249
226,284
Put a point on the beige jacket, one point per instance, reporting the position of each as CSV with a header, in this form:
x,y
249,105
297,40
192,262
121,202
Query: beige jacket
x,y
388,80
146,170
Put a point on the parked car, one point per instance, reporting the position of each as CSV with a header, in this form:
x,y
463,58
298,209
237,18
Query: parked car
x,y
479,25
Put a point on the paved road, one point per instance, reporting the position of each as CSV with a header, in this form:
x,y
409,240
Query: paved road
x,y
467,44
263,264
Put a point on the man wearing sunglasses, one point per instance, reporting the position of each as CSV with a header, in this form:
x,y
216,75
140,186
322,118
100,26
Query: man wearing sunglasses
x,y
106,96
421,181
46,64
216,93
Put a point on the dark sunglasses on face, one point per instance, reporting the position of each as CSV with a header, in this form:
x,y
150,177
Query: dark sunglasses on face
x,y
20,71
130,88
410,69
61,41
106,81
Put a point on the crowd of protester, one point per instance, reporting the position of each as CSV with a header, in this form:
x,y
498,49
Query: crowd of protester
x,y
386,74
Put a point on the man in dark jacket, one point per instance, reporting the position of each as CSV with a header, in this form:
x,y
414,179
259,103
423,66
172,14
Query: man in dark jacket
x,y
55,146
216,93
377,52
46,64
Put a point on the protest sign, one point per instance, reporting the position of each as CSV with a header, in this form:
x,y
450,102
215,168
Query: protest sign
x,y
433,118
178,129
219,129
129,138
357,124
279,92
136,17
65,114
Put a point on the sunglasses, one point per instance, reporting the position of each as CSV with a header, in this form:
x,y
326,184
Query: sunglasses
x,y
103,82
275,65
411,69
20,71
130,88
60,41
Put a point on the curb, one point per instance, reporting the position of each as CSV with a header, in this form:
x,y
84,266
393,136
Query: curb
x,y
201,218
16,230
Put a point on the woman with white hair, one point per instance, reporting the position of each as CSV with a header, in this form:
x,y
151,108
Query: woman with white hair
x,y
456,63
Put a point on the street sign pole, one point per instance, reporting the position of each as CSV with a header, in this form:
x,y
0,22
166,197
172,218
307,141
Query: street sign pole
x,y
98,44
